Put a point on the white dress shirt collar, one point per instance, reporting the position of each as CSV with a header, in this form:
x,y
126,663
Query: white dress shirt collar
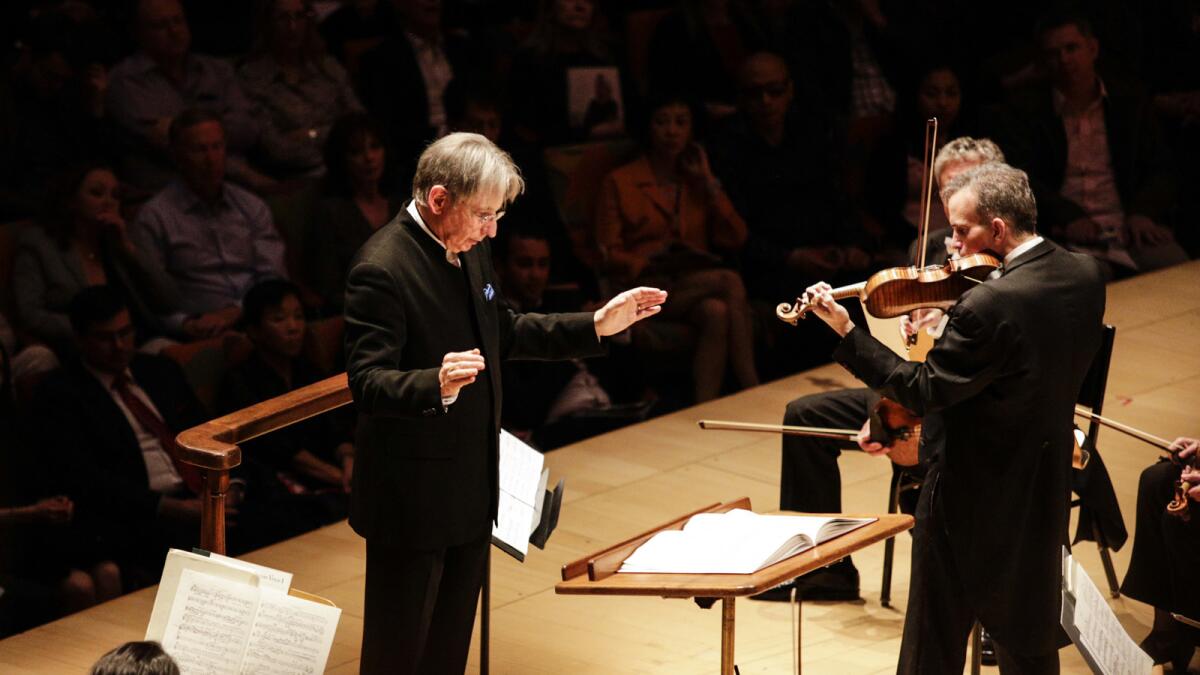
x,y
413,211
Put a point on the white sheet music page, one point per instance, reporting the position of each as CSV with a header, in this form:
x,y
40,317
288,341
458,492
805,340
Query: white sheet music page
x,y
209,624
290,636
1106,640
520,474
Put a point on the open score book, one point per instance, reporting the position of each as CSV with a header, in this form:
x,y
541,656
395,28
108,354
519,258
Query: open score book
x,y
735,542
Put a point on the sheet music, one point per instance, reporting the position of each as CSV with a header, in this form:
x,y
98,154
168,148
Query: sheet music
x,y
520,477
168,586
290,636
1101,633
267,577
209,624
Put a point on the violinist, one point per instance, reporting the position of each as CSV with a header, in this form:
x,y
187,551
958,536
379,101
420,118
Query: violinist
x,y
1000,385
809,477
1166,554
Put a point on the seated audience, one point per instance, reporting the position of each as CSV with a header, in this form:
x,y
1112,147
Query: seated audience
x,y
698,48
206,238
52,113
661,221
1095,155
313,458
352,206
82,240
777,163
108,420
356,22
895,173
136,658
23,366
567,37
1166,551
48,566
299,88
162,79
403,79
540,397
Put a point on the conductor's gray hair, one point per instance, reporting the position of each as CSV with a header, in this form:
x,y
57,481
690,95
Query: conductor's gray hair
x,y
966,149
1001,191
466,164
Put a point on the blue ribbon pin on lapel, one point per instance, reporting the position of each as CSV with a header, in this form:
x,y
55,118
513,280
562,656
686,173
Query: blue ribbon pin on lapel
x,y
489,292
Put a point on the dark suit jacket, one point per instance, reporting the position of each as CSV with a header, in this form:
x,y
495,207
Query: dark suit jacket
x,y
1002,384
93,454
426,478
1033,139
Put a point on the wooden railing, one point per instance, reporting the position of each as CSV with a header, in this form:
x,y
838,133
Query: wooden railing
x,y
213,446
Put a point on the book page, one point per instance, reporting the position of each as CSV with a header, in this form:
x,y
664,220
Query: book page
x,y
735,542
520,474
290,635
209,624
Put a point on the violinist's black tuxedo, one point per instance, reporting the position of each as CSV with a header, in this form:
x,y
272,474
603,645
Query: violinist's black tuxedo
x,y
1002,383
425,480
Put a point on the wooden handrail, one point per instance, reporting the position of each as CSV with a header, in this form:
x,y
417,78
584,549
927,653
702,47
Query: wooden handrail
x,y
213,446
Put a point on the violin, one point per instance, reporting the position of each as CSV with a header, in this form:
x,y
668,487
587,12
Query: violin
x,y
900,290
892,426
1178,505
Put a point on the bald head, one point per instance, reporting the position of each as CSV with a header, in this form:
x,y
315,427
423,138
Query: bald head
x,y
765,89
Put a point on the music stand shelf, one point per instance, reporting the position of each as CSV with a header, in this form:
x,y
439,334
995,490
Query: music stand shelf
x,y
597,574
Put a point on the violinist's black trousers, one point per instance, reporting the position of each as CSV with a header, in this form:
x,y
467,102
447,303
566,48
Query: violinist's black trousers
x,y
809,477
1166,550
938,619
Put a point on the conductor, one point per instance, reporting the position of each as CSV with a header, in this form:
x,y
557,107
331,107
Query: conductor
x,y
424,339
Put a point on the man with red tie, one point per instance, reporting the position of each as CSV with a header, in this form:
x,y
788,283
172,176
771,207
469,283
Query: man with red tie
x,y
107,421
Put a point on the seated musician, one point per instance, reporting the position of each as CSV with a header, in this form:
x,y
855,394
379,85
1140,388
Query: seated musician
x,y
810,480
1166,553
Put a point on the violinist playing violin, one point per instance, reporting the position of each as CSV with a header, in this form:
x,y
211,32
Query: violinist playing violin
x,y
809,477
1000,385
1166,555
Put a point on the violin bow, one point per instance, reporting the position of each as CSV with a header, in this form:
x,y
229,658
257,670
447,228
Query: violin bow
x,y
1156,441
931,130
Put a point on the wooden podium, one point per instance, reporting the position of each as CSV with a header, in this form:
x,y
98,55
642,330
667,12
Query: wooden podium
x,y
597,574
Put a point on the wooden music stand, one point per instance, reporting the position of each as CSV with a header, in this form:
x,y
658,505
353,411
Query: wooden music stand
x,y
597,574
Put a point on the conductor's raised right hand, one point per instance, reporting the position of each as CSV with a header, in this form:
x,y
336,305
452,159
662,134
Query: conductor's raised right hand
x,y
458,370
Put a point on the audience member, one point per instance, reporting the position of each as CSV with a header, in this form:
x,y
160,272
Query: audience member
x,y
1095,155
136,658
82,241
163,78
660,221
300,89
895,174
107,422
540,397
777,164
356,22
206,238
52,115
403,79
310,457
475,107
47,565
1166,549
546,69
698,48
352,206
23,366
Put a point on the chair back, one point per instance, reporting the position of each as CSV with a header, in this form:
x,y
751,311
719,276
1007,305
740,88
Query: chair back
x,y
1095,383
575,173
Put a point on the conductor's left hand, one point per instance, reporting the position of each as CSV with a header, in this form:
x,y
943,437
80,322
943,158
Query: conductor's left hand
x,y
628,308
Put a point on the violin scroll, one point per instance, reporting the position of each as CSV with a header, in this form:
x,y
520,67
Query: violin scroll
x,y
792,312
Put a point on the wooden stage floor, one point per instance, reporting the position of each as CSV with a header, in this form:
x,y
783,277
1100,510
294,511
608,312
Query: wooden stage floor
x,y
632,479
